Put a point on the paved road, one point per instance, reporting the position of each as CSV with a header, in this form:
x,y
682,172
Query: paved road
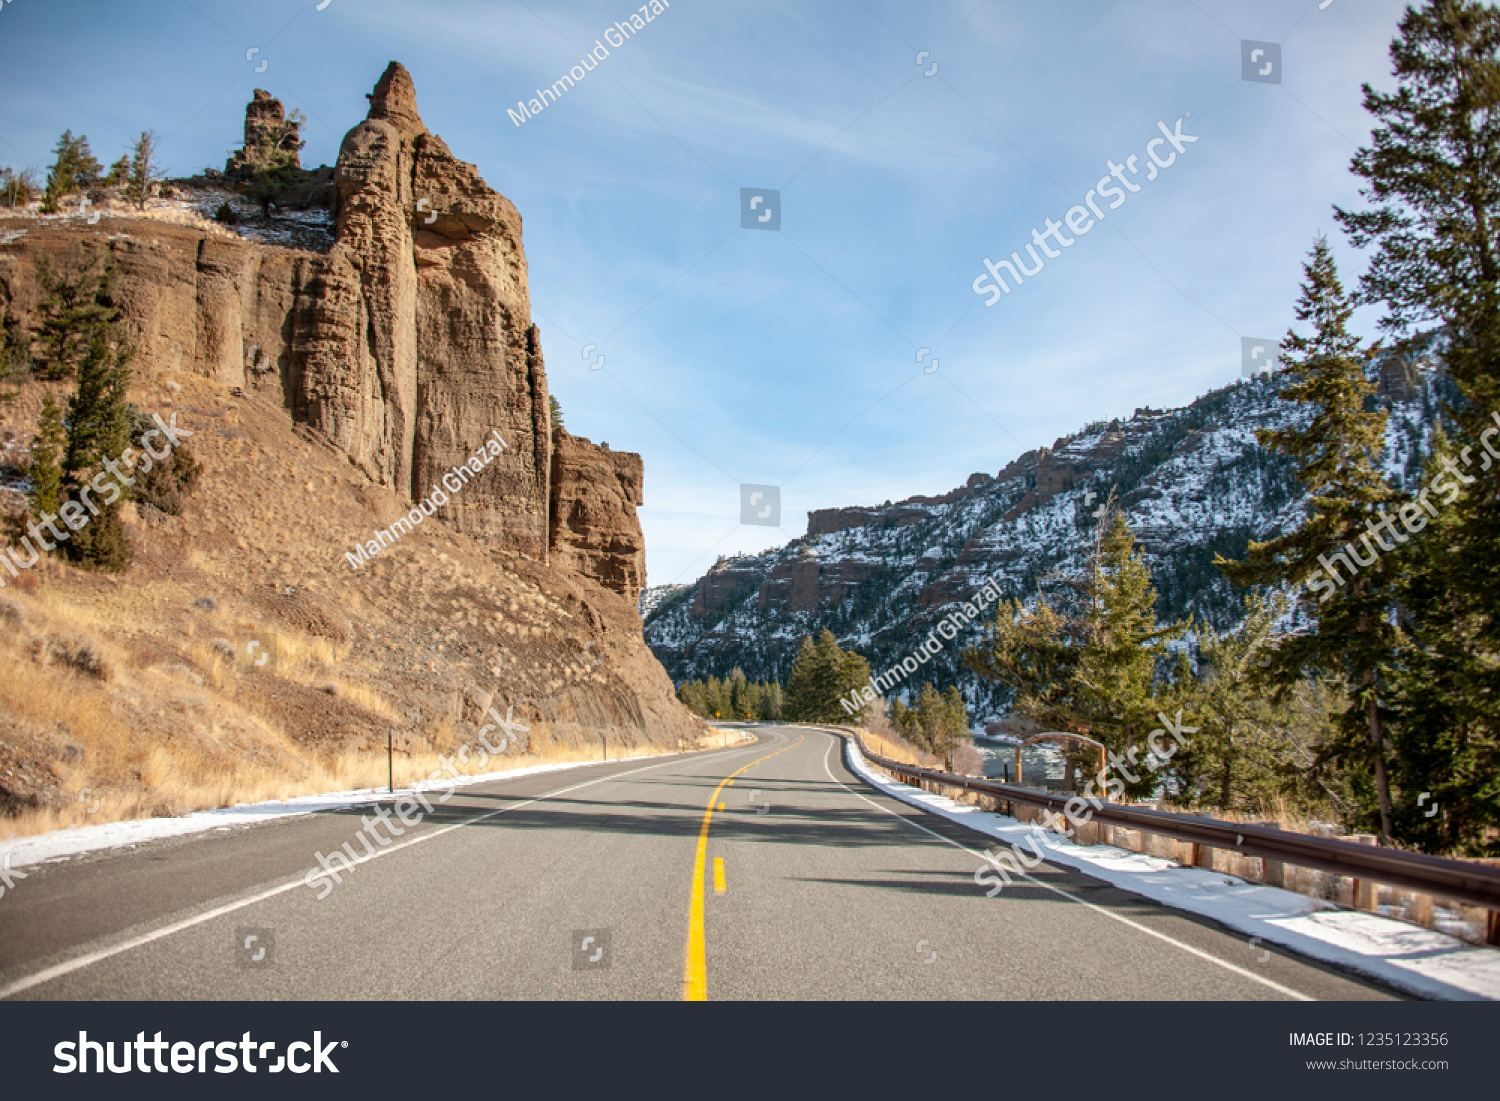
x,y
807,884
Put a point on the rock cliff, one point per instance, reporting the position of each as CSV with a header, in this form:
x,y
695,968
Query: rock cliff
x,y
392,353
406,344
595,533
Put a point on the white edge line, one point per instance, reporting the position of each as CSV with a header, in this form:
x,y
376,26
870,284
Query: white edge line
x,y
1188,948
89,959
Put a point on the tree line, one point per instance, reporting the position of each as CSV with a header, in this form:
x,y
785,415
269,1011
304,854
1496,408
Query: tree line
x,y
75,171
821,674
735,698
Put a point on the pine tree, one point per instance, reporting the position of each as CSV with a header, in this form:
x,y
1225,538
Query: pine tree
x,y
1441,697
74,304
953,726
1339,449
98,429
1117,669
1236,761
809,682
1433,219
1085,659
554,409
74,170
15,357
144,170
821,674
44,471
17,188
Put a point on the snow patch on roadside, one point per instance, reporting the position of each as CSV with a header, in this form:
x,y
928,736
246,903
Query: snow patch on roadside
x,y
62,845
1422,961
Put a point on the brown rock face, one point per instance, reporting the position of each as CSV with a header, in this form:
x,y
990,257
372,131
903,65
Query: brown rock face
x,y
595,532
438,348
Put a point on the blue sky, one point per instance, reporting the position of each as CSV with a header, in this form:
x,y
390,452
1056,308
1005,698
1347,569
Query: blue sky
x,y
789,358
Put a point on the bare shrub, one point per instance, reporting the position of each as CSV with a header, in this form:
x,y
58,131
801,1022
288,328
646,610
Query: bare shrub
x,y
73,652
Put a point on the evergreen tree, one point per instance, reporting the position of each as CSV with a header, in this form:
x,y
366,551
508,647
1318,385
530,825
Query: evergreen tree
x,y
119,173
1441,697
75,303
554,409
44,471
736,697
821,674
145,172
17,188
809,685
1339,448
1237,760
1084,659
98,429
15,357
937,723
1432,177
75,169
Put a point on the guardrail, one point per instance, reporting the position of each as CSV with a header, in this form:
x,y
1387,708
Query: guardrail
x,y
1463,881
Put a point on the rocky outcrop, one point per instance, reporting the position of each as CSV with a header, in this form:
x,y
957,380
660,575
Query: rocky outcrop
x,y
268,135
595,533
406,345
826,521
722,586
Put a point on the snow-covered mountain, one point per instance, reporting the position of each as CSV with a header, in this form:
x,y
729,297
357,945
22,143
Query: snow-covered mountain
x,y
1193,483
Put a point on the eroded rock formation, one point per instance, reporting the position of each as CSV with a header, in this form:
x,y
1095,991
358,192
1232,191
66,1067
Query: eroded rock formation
x,y
595,533
406,344
268,135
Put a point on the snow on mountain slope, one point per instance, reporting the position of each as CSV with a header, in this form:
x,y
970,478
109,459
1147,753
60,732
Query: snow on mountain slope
x,y
1193,483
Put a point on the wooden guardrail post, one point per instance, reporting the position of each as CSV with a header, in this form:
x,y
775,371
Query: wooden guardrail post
x,y
1272,872
1366,894
1492,916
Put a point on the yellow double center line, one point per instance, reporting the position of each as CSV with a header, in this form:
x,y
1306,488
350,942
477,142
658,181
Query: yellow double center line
x,y
695,974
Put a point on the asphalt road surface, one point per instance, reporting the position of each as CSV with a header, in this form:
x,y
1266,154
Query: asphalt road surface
x,y
766,871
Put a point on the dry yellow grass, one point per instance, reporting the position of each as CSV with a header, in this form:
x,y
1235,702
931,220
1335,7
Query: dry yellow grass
x,y
215,752
724,737
169,774
895,749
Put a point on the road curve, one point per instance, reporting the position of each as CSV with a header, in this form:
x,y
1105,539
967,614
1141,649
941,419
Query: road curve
x,y
766,871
